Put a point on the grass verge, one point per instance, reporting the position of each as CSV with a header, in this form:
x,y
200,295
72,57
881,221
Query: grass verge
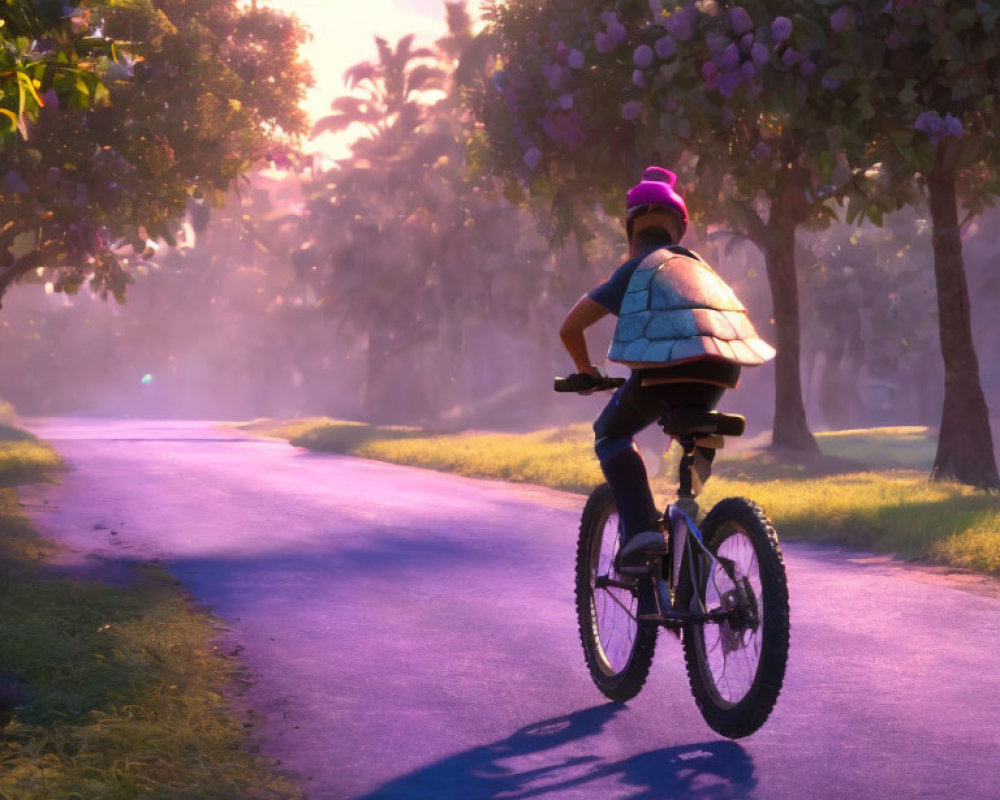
x,y
110,692
869,489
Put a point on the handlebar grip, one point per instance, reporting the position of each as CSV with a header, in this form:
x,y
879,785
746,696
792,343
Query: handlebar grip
x,y
581,382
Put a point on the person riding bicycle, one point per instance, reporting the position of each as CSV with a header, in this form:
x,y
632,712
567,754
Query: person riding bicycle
x,y
681,330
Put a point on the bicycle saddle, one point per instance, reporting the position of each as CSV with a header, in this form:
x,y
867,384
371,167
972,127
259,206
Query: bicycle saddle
x,y
681,422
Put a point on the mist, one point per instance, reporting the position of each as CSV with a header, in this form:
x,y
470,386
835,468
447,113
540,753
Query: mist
x,y
236,323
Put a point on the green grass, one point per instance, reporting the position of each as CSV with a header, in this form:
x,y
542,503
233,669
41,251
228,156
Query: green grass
x,y
907,447
868,489
109,692
23,458
562,458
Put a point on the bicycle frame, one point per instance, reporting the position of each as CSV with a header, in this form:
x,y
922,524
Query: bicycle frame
x,y
685,535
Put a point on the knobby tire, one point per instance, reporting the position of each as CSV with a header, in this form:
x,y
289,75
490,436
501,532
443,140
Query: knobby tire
x,y
624,684
738,515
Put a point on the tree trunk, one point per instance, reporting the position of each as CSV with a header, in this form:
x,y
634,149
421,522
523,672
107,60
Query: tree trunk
x,y
790,428
965,443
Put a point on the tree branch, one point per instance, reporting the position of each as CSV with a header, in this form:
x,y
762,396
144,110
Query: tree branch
x,y
756,229
18,270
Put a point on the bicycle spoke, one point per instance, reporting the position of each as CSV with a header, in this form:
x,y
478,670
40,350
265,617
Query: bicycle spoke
x,y
614,615
732,656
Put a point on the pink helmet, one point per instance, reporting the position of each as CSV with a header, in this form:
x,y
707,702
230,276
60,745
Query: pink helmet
x,y
655,191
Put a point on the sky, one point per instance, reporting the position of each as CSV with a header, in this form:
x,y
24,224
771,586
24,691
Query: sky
x,y
343,34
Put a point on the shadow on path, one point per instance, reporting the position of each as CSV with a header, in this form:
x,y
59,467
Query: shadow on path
x,y
525,765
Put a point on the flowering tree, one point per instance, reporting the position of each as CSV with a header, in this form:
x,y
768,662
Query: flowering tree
x,y
204,91
744,101
926,71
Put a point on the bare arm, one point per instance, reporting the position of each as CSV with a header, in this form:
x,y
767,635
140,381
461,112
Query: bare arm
x,y
584,314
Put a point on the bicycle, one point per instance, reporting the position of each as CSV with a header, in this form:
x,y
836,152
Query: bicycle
x,y
721,587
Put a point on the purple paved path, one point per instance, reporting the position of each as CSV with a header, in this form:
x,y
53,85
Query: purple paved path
x,y
412,634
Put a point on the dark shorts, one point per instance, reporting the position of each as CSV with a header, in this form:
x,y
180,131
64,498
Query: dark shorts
x,y
633,407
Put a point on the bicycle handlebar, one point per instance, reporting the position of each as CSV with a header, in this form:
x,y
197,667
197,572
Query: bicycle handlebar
x,y
582,382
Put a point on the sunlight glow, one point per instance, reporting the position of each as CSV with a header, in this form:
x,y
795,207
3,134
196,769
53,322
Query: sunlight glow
x,y
343,33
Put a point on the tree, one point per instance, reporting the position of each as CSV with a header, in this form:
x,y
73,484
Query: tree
x,y
404,248
736,98
929,72
205,91
44,44
868,294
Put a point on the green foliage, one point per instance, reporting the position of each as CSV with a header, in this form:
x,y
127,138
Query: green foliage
x,y
203,93
771,130
23,458
925,73
46,45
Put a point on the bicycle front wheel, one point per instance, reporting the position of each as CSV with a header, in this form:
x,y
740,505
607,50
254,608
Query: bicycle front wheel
x,y
617,647
736,667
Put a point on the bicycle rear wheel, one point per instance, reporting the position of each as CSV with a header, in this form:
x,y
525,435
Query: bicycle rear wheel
x,y
736,667
617,647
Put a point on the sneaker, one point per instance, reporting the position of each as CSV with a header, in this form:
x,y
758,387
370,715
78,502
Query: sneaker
x,y
633,559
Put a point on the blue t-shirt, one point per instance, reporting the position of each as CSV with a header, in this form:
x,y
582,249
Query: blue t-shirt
x,y
611,293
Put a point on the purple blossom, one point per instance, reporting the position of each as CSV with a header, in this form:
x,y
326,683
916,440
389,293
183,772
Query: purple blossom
x,y
748,70
730,59
781,29
728,83
608,18
709,70
532,158
51,98
936,128
603,42
15,182
639,78
565,102
681,23
791,57
575,59
840,20
807,68
953,126
762,151
829,82
739,21
631,110
746,43
618,33
643,56
759,54
666,47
